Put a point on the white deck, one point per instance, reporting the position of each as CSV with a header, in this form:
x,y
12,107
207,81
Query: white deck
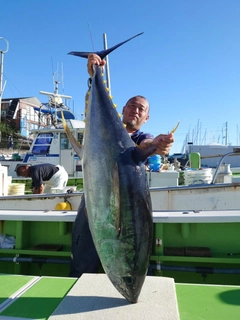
x,y
225,216
38,215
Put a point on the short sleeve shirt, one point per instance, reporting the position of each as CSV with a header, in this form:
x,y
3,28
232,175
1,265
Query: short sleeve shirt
x,y
42,172
138,136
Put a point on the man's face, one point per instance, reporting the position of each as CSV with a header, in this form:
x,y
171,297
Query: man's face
x,y
135,113
23,171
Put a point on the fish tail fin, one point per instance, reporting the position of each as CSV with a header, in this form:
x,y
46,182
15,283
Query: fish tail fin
x,y
102,54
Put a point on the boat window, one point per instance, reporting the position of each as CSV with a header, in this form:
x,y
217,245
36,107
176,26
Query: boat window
x,y
42,143
64,142
44,138
40,149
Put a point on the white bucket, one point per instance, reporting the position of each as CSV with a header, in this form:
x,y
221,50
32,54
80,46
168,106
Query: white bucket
x,y
16,189
198,176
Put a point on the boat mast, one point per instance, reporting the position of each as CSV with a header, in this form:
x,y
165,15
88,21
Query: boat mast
x,y
107,64
226,134
1,73
55,99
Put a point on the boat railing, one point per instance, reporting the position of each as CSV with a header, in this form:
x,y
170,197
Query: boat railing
x,y
235,152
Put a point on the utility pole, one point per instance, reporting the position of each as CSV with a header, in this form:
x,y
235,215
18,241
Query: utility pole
x,y
1,74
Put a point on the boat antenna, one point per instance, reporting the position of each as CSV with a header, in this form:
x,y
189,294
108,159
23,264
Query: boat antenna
x,y
52,70
106,58
62,79
55,99
90,35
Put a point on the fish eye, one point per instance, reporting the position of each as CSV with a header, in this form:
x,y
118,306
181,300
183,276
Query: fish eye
x,y
129,280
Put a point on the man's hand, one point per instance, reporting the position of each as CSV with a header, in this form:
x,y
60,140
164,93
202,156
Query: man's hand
x,y
94,59
163,143
38,190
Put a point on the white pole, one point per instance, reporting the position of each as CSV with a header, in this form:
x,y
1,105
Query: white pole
x,y
1,74
107,64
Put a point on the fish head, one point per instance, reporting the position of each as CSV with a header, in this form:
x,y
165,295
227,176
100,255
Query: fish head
x,y
129,286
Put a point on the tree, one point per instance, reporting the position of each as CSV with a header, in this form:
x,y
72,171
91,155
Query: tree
x,y
5,131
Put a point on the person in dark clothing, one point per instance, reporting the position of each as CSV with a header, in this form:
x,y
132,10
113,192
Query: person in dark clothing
x,y
84,255
84,258
10,142
44,176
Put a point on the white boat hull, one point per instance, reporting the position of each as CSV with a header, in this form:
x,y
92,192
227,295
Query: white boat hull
x,y
198,197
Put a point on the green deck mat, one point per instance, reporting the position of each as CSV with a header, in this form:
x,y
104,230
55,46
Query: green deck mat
x,y
205,302
41,300
10,284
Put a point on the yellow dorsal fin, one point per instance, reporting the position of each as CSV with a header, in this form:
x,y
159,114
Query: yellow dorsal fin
x,y
75,144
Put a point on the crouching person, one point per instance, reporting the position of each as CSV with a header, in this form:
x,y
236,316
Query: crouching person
x,y
44,176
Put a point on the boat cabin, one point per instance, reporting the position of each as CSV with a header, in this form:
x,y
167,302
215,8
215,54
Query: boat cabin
x,y
51,145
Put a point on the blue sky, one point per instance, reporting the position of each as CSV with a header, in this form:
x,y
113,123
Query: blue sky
x,y
187,62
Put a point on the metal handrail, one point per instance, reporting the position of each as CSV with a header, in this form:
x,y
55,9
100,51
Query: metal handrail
x,y
235,152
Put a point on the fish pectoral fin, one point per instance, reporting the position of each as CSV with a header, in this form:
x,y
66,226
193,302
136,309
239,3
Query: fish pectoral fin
x,y
75,144
115,201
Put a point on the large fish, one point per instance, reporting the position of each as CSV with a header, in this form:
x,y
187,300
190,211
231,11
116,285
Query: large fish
x,y
117,195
